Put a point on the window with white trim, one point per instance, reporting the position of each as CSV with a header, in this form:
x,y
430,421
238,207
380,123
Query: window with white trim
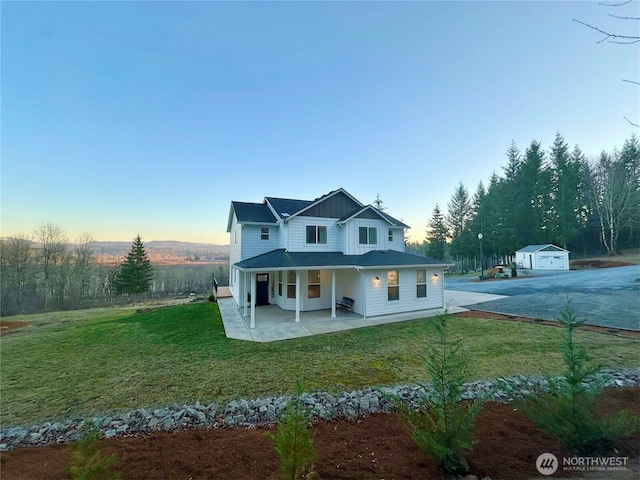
x,y
421,283
316,234
393,285
264,233
280,283
313,284
367,235
390,235
291,284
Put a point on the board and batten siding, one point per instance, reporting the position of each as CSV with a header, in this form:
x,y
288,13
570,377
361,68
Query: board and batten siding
x,y
377,299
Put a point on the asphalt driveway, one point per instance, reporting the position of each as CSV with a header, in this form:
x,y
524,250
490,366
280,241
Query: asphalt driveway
x,y
605,296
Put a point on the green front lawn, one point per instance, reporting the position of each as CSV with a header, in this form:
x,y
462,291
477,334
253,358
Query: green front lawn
x,y
76,364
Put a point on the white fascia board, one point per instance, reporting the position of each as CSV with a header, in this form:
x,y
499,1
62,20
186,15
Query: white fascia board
x,y
273,210
267,224
365,208
232,212
293,269
419,265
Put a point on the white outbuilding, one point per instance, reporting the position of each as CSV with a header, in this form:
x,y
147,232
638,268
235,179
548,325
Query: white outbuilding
x,y
542,257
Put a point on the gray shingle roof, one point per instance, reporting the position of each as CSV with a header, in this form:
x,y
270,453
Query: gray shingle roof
x,y
287,205
281,259
539,248
392,221
253,212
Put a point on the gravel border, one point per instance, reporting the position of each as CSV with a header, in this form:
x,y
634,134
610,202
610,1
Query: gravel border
x,y
262,411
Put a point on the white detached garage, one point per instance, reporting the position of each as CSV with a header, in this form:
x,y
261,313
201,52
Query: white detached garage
x,y
543,257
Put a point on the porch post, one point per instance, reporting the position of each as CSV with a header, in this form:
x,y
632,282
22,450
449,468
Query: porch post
x,y
253,299
243,297
333,294
364,289
298,296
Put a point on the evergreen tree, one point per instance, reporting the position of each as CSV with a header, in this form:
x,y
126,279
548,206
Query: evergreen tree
x,y
630,159
492,218
458,220
565,183
378,203
437,234
136,273
533,179
511,202
584,213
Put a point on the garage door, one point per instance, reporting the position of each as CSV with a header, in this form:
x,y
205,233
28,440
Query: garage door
x,y
551,262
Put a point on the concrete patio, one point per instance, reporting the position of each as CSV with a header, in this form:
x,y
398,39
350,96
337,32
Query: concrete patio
x,y
273,323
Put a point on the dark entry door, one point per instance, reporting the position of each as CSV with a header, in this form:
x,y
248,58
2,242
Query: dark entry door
x,y
262,289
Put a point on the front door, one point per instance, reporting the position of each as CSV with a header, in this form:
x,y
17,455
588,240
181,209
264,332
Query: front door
x,y
262,289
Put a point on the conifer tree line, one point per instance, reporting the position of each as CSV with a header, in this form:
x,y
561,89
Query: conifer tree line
x,y
43,271
556,195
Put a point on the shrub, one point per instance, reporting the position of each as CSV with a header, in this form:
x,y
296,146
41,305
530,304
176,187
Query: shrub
x,y
87,463
443,426
212,298
293,441
568,412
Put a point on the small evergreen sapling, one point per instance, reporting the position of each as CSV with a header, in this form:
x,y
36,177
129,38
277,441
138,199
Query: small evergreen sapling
x,y
87,463
293,441
568,412
443,426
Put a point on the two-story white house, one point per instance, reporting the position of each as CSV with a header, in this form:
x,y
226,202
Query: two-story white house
x,y
307,255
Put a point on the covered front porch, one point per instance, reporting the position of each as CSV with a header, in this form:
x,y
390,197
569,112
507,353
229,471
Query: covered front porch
x,y
277,324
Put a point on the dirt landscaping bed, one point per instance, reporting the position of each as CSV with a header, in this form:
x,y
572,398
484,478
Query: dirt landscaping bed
x,y
514,318
8,326
580,264
372,447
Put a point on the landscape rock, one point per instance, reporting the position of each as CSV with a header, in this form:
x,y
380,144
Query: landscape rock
x,y
247,413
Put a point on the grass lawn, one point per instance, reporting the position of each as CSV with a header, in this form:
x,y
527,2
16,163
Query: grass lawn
x,y
82,363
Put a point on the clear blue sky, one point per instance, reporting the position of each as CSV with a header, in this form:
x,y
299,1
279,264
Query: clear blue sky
x,y
121,118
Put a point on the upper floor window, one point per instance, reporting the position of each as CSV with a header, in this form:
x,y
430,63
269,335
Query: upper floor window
x,y
316,234
264,233
390,235
367,235
421,283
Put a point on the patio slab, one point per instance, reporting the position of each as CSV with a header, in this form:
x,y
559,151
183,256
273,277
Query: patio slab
x,y
274,324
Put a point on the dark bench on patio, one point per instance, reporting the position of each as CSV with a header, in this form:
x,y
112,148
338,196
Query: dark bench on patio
x,y
346,304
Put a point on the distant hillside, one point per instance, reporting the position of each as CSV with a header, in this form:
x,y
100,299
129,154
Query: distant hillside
x,y
167,251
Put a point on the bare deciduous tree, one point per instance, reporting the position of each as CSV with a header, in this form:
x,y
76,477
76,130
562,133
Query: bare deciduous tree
x,y
17,268
612,197
53,245
619,38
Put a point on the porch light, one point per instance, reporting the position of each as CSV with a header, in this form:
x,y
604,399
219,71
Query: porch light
x,y
377,279
434,277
